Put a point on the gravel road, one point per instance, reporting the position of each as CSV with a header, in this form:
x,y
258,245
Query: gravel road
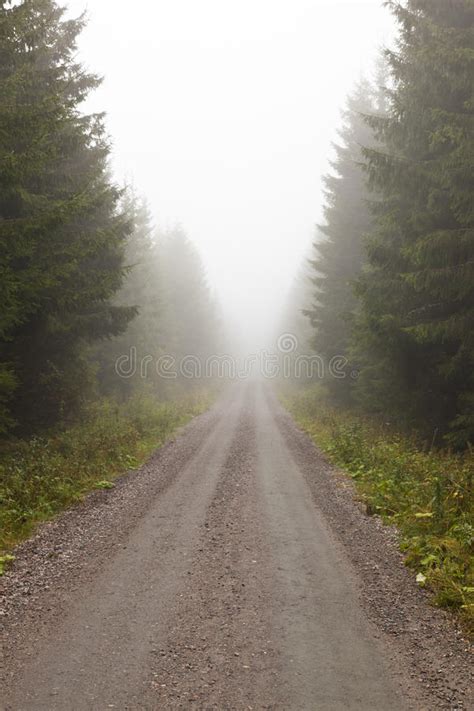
x,y
233,571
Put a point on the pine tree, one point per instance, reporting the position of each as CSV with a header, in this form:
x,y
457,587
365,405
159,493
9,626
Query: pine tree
x,y
143,289
176,313
418,294
61,234
339,247
191,324
297,304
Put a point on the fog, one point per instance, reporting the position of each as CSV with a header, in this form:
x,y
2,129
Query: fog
x,y
222,114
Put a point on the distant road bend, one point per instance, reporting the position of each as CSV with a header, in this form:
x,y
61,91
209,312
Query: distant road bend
x,y
226,588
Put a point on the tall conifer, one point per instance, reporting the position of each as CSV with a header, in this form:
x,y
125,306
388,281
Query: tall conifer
x,y
339,248
418,294
61,233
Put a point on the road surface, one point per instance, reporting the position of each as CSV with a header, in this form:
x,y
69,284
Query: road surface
x,y
229,591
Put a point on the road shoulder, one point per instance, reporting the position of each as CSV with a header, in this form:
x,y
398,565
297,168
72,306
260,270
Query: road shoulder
x,y
430,650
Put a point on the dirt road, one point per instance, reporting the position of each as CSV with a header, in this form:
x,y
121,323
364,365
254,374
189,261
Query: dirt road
x,y
210,580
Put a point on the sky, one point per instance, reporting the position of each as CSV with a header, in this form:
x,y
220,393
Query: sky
x,y
222,115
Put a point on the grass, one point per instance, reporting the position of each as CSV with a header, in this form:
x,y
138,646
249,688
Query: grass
x,y
41,477
428,494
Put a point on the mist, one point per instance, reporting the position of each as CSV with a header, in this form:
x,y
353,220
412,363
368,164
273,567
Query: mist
x,y
222,115
236,354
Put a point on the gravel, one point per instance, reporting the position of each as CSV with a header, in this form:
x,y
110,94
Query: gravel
x,y
235,570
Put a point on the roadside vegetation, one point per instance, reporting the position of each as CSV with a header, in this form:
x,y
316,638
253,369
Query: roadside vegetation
x,y
392,268
42,476
93,293
390,296
427,493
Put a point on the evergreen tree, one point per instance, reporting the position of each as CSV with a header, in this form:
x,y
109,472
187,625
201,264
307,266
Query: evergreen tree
x,y
417,327
61,234
298,302
176,314
339,247
191,325
143,289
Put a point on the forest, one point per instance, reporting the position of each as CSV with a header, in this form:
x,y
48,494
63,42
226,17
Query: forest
x,y
390,287
394,270
87,274
85,277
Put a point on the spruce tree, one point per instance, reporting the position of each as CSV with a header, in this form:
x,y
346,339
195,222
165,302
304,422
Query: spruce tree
x,y
297,304
339,248
190,325
417,327
142,288
61,233
176,313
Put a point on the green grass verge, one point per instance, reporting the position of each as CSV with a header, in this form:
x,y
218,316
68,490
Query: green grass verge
x,y
41,477
427,494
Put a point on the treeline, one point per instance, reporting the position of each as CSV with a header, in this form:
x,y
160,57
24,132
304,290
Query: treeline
x,y
393,263
84,275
